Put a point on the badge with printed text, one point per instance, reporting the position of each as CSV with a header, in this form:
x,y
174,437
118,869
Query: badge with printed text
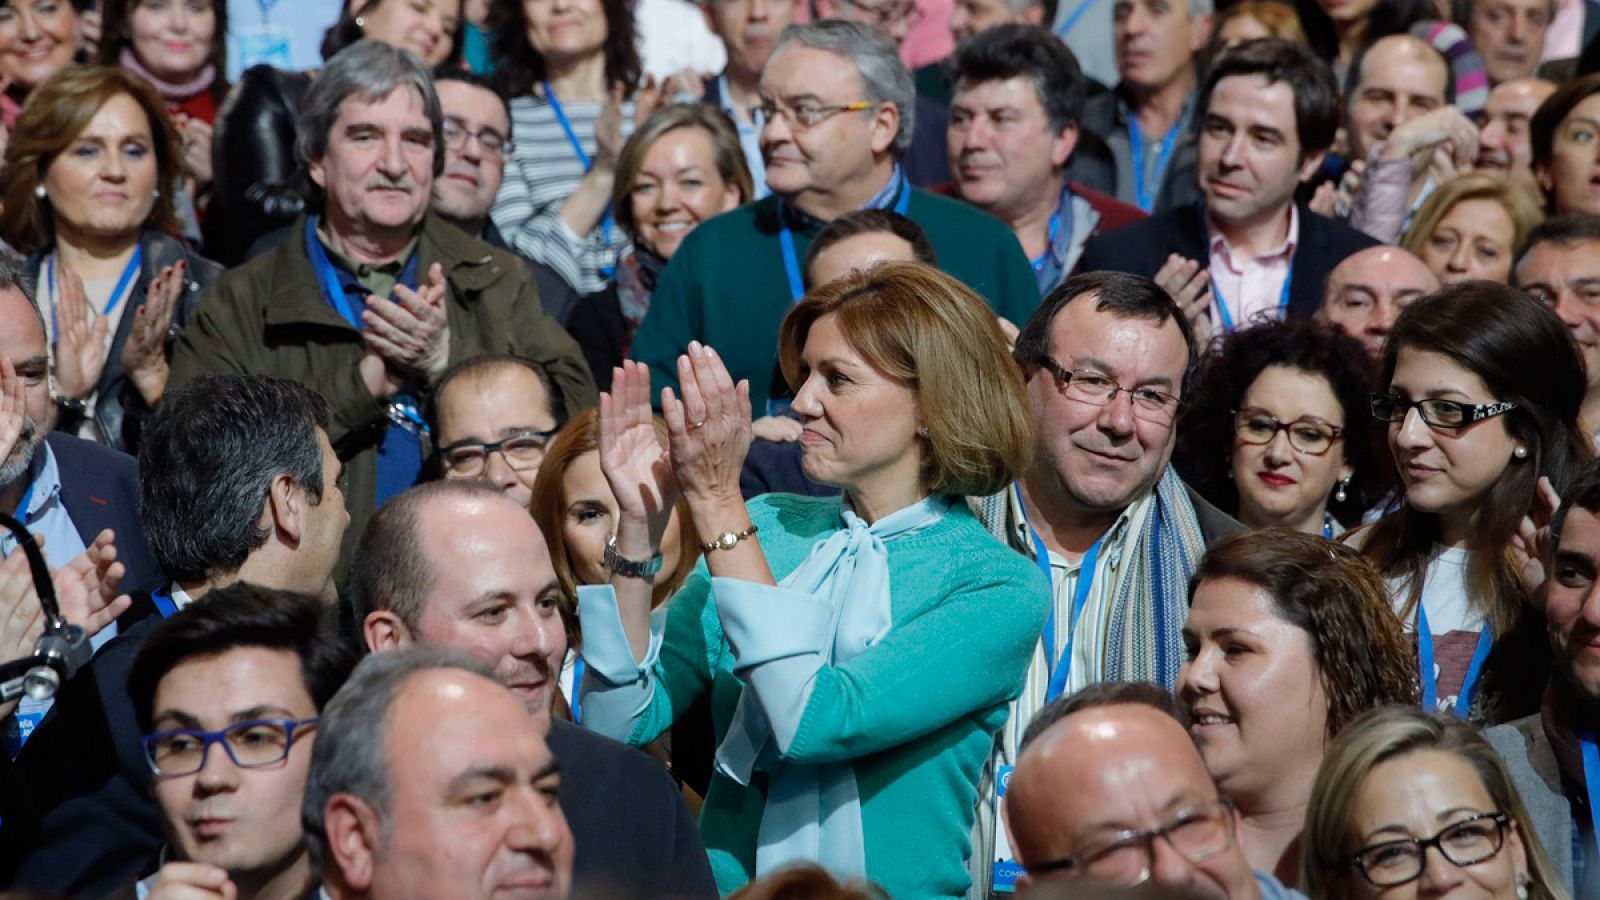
x,y
1006,870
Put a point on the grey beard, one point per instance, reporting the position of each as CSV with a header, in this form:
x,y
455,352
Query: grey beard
x,y
21,457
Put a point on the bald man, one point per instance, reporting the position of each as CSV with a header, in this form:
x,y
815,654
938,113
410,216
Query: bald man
x,y
1367,291
1504,147
1096,774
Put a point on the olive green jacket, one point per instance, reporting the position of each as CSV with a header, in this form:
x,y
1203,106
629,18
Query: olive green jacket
x,y
268,317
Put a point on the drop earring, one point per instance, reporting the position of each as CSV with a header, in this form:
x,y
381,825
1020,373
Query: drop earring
x,y
1340,496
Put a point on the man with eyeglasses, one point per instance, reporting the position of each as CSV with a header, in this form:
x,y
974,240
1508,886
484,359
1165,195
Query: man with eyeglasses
x,y
477,140
1560,266
492,417
227,693
1106,359
1552,755
1109,790
836,101
371,297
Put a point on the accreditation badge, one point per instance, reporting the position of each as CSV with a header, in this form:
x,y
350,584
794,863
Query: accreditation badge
x,y
1006,870
264,45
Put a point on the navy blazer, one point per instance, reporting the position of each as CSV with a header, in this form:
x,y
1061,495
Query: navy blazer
x,y
100,490
1143,247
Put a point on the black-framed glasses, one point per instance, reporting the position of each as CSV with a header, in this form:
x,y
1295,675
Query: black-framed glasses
x,y
1437,413
1197,833
251,745
803,115
523,450
1098,388
1470,841
1307,434
456,133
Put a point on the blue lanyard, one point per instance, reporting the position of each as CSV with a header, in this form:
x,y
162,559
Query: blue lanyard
x,y
1077,13
129,272
791,260
165,605
1146,198
1327,526
1591,781
1050,242
1469,685
1222,302
333,289
577,150
1060,667
577,690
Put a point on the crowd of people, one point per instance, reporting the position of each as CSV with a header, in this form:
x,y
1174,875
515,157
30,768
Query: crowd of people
x,y
1139,448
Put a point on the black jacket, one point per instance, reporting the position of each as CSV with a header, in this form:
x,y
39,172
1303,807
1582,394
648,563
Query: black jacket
x,y
257,185
633,834
1143,247
119,411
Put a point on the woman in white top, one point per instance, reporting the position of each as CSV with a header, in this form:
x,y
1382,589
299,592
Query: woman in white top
x,y
1481,386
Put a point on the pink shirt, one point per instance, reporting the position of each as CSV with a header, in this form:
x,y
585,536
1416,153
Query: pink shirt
x,y
1252,288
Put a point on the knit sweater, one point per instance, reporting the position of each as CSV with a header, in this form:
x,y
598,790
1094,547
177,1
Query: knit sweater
x,y
727,287
915,714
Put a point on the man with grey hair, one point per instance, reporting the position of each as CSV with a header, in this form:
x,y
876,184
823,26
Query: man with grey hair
x,y
427,781
372,297
835,101
1149,155
1510,35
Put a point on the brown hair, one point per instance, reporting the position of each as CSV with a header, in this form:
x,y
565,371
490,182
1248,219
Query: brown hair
x,y
116,34
1338,599
1518,202
1279,19
1385,734
549,508
1547,120
55,113
899,314
725,151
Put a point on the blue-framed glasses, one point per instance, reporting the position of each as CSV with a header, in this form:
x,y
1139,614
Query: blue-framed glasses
x,y
251,745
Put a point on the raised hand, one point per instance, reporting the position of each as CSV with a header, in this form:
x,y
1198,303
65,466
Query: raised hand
x,y
13,407
634,462
196,134
80,338
608,130
144,353
21,616
1189,286
87,586
412,331
781,429
709,429
1530,546
192,881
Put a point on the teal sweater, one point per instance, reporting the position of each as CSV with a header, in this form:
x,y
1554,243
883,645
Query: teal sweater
x,y
917,713
726,285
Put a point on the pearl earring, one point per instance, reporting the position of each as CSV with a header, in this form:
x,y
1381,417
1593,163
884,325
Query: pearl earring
x,y
38,191
155,194
361,22
1340,496
1520,453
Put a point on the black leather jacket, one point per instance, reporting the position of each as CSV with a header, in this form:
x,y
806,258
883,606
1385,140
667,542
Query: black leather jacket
x,y
119,411
257,185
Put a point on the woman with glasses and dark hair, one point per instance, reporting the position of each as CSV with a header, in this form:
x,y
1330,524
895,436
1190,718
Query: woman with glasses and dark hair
x,y
1481,390
1410,804
1278,431
1289,638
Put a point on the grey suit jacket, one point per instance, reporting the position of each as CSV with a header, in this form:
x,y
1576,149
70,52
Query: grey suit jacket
x,y
1527,754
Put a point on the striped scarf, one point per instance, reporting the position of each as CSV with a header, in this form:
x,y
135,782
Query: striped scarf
x,y
1150,599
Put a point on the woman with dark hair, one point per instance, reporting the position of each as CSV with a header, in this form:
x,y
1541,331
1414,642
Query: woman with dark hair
x,y
1481,388
1563,138
859,652
87,190
259,187
38,38
1289,638
682,166
1407,803
572,68
1338,32
1278,430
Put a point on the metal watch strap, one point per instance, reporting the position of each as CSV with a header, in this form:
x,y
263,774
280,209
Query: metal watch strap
x,y
629,568
728,539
